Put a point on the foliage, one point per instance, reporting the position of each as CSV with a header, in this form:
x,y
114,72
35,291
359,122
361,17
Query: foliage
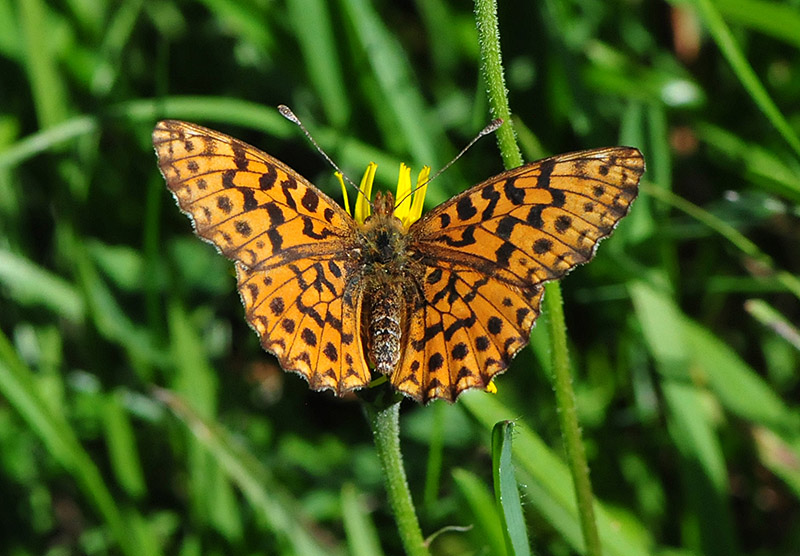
x,y
138,414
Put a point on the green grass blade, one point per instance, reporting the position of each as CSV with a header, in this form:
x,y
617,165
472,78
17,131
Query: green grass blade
x,y
399,92
506,492
266,497
690,426
318,45
744,71
362,537
197,383
761,164
484,510
32,285
770,317
433,472
18,385
122,449
726,230
47,84
739,387
551,477
780,20
779,457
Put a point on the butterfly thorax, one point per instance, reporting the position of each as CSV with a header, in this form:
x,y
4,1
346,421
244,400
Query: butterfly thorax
x,y
385,277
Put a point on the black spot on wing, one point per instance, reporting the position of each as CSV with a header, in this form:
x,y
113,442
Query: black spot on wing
x,y
503,253
467,238
267,179
249,199
493,197
534,217
562,223
224,204
542,246
505,226
513,193
227,178
275,214
310,200
545,169
465,209
239,156
243,227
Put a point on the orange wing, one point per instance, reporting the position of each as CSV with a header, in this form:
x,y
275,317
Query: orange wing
x,y
486,253
290,243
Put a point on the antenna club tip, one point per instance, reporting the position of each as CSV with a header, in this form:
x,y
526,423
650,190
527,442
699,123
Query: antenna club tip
x,y
287,113
494,125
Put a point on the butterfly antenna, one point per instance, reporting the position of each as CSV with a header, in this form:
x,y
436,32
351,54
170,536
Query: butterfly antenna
x,y
287,113
491,128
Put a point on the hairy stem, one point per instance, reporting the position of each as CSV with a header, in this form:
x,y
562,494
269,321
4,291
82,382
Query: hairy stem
x,y
384,420
489,37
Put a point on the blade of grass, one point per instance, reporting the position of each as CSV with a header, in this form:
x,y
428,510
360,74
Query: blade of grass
x,y
30,284
18,385
106,313
122,449
315,35
770,317
543,473
489,37
484,510
246,20
786,279
779,457
362,537
744,71
109,57
435,450
776,19
270,501
690,425
400,93
196,381
506,492
739,387
47,85
760,163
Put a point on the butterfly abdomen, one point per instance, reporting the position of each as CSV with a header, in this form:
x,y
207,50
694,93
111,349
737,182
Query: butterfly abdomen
x,y
384,326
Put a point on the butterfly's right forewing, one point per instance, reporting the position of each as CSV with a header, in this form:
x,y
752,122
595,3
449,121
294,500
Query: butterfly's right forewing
x,y
487,252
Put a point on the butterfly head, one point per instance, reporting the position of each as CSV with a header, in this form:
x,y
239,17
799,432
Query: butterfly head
x,y
383,204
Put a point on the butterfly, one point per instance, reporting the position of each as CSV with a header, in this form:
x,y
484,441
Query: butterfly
x,y
438,306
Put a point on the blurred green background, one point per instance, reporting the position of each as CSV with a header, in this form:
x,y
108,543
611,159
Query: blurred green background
x,y
682,331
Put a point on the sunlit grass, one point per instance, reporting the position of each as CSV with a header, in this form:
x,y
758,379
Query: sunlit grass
x,y
685,389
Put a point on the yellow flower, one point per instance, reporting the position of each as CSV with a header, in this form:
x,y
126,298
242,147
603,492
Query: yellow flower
x,y
408,205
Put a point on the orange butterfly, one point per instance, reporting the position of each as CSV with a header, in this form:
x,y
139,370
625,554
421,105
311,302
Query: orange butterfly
x,y
439,306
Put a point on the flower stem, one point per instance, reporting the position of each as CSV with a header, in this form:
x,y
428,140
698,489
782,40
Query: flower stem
x,y
384,420
568,419
489,37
